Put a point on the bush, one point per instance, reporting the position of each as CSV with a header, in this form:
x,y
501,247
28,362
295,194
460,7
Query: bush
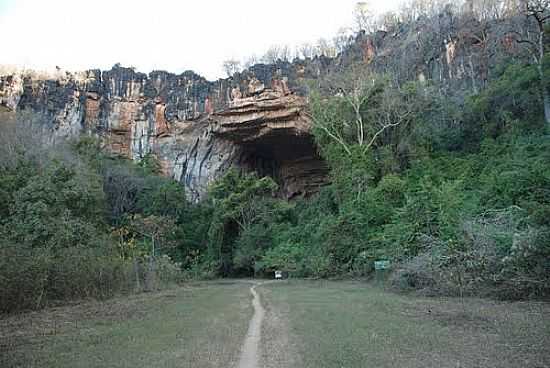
x,y
498,255
35,278
40,277
168,271
55,244
526,269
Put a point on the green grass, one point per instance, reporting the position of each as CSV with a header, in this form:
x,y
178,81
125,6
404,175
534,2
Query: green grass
x,y
352,324
308,324
199,326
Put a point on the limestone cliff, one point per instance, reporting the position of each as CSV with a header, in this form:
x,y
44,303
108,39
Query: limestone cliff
x,y
254,120
195,128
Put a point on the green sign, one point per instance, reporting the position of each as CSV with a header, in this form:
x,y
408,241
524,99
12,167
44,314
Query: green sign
x,y
381,265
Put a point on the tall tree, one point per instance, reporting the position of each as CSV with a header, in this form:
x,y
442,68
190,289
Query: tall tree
x,y
531,34
361,108
231,67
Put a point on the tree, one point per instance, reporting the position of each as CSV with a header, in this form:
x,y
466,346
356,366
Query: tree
x,y
23,137
250,61
531,34
277,53
326,48
306,51
364,18
271,55
238,204
362,107
342,40
236,195
285,53
162,197
231,67
160,230
488,9
122,186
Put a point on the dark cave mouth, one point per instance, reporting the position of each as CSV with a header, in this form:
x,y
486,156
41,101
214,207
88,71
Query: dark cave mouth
x,y
292,161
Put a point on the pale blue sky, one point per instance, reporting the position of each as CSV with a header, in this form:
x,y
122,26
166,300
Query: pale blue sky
x,y
162,34
6,4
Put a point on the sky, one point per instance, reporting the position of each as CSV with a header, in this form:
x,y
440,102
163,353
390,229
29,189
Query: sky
x,y
175,35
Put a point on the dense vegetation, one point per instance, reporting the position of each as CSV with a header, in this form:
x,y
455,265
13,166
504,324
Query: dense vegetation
x,y
75,223
449,180
451,185
458,196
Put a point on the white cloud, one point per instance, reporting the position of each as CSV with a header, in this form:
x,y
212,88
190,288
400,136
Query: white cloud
x,y
162,34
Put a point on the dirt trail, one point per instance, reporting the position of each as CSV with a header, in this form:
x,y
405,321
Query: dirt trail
x,y
249,352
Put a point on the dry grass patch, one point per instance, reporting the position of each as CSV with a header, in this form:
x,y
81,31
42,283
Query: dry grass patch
x,y
198,326
352,324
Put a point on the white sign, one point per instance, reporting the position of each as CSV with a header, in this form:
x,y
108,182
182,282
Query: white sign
x,y
381,265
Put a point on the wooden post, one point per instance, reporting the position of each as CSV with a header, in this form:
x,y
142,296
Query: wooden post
x,y
136,271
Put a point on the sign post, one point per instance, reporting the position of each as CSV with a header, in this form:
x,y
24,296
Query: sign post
x,y
381,270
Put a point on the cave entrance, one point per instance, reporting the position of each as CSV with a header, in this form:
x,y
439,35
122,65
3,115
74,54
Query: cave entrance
x,y
292,162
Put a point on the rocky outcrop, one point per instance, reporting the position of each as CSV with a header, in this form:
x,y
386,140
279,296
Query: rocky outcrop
x,y
273,132
254,120
195,128
265,115
11,89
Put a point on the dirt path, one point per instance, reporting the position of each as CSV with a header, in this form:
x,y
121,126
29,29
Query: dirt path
x,y
249,352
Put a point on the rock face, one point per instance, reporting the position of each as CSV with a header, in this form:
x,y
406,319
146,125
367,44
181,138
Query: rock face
x,y
195,128
272,131
254,120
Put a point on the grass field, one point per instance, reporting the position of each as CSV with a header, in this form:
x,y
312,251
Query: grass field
x,y
198,326
351,324
310,324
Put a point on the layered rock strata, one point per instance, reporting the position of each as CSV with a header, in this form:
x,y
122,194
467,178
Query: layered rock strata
x,y
195,128
273,132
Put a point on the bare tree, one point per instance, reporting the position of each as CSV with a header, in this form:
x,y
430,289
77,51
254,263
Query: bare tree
x,y
531,35
413,9
250,61
342,39
364,17
389,21
326,48
231,67
487,9
306,51
159,230
271,55
277,53
285,53
122,186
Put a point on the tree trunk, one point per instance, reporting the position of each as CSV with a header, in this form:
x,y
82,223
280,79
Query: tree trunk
x,y
544,94
544,89
150,281
136,271
546,101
